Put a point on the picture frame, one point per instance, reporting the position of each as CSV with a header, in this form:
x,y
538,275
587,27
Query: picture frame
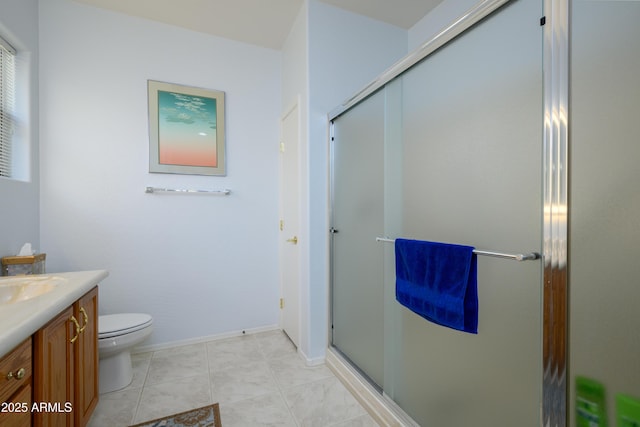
x,y
186,129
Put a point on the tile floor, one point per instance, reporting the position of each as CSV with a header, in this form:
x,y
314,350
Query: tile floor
x,y
259,380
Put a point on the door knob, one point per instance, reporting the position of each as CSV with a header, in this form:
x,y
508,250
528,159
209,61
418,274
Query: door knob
x,y
293,240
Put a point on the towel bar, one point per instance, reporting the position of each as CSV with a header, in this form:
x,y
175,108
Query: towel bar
x,y
518,257
175,190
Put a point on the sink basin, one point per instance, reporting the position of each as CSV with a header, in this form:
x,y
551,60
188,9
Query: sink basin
x,y
21,288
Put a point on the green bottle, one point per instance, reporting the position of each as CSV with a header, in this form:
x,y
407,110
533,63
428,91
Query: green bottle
x,y
628,411
590,403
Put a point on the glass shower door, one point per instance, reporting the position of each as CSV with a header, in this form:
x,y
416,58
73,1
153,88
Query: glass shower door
x,y
472,175
357,218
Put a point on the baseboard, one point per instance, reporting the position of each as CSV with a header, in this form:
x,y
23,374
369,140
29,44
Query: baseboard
x,y
198,340
316,361
382,409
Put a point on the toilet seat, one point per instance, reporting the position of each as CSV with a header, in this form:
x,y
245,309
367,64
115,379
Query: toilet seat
x,y
113,325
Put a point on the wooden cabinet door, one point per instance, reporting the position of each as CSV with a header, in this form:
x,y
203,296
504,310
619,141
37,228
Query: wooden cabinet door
x,y
15,386
21,417
86,363
53,371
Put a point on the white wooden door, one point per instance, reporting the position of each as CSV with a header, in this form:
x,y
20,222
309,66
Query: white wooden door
x,y
289,224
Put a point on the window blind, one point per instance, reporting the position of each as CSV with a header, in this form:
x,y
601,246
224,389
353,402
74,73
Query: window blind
x,y
7,105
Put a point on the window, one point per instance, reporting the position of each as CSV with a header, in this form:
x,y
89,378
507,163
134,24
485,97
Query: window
x,y
7,105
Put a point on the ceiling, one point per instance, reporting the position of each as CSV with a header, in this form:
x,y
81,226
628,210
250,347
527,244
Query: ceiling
x,y
264,23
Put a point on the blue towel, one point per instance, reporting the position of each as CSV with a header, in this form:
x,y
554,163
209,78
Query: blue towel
x,y
439,282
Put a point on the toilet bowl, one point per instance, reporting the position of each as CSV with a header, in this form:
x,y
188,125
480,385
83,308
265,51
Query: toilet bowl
x,y
117,335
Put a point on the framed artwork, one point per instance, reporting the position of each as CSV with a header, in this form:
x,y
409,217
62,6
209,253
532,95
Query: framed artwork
x,y
186,129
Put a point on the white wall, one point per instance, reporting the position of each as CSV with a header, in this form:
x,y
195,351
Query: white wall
x,y
295,71
346,52
19,198
201,265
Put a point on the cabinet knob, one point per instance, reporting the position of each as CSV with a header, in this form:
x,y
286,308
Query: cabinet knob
x,y
18,375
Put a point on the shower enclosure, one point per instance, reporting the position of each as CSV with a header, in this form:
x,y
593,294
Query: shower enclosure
x,y
466,141
450,150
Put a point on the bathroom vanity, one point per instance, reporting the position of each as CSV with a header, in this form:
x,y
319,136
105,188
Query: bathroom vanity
x,y
49,351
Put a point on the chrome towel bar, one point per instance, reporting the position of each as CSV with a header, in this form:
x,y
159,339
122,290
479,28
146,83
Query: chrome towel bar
x,y
517,257
177,190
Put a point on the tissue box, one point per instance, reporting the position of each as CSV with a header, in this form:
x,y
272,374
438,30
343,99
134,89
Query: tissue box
x,y
20,265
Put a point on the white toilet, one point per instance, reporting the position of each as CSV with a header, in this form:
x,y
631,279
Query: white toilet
x,y
117,335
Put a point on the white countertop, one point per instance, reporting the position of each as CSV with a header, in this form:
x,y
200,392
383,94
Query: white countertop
x,y
21,319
